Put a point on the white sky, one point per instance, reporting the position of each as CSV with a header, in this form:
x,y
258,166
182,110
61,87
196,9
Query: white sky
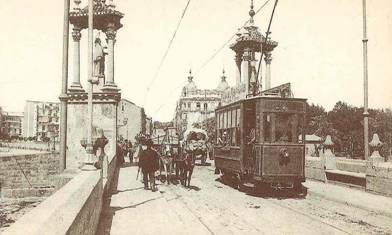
x,y
319,52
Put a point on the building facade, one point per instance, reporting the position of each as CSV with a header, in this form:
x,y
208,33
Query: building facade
x,y
131,120
196,105
11,124
41,119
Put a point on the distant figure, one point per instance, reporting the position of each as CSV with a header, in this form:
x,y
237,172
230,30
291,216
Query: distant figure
x,y
149,162
130,151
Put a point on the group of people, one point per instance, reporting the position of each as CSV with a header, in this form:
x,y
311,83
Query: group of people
x,y
125,149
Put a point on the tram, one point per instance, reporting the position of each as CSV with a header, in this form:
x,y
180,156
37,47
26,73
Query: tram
x,y
258,142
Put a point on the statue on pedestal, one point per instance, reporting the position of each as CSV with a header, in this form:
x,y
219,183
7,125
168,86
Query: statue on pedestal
x,y
99,59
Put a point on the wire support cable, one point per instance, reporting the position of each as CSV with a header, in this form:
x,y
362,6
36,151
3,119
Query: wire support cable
x,y
217,51
166,53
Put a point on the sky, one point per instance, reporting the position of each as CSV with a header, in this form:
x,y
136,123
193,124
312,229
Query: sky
x,y
319,51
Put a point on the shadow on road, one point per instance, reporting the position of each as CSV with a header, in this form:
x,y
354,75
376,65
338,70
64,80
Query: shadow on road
x,y
266,192
105,223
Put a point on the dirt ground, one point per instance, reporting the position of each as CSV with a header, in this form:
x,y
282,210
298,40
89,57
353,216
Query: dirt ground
x,y
13,209
211,207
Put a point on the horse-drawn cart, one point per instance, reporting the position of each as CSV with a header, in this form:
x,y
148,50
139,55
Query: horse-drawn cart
x,y
195,140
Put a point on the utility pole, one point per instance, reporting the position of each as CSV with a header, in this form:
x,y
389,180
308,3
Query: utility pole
x,y
365,84
64,87
88,164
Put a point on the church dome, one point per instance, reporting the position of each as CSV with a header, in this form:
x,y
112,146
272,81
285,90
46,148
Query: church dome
x,y
223,85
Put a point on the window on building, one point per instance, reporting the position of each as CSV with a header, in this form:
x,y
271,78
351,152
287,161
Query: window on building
x,y
189,105
198,105
122,107
205,106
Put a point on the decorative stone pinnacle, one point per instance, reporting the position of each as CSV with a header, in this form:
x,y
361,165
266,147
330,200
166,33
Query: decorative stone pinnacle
x,y
77,5
328,142
111,4
190,77
223,75
251,12
375,143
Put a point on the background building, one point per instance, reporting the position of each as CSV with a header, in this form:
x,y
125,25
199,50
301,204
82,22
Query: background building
x,y
41,119
132,120
11,124
196,105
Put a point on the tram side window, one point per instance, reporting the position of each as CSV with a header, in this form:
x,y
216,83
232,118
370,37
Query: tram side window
x,y
228,129
267,127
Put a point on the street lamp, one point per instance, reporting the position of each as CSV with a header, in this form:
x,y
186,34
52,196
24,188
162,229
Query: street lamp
x,y
365,83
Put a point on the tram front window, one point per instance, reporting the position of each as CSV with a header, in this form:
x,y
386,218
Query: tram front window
x,y
282,127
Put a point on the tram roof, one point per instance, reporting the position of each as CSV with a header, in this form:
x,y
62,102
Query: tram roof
x,y
260,97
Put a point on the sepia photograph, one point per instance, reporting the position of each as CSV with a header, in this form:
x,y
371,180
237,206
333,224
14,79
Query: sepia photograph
x,y
196,117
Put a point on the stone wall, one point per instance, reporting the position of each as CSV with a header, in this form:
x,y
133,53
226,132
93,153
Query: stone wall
x,y
314,168
41,146
105,116
351,165
28,174
73,209
379,178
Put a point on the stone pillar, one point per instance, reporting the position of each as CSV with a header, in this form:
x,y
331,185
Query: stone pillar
x,y
268,59
76,86
238,68
245,69
109,81
329,158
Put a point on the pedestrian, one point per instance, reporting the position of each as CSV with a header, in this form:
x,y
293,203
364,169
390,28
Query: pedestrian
x,y
130,151
119,153
149,163
124,148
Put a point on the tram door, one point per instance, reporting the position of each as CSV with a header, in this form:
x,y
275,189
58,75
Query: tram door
x,y
249,128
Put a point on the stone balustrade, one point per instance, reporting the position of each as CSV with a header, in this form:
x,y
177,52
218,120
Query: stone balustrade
x,y
73,209
376,172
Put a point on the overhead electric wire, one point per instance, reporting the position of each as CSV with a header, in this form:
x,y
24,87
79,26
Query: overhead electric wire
x,y
216,52
166,53
266,38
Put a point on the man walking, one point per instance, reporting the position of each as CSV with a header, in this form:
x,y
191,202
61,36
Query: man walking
x,y
149,162
130,151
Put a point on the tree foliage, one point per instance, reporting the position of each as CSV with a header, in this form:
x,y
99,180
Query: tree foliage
x,y
345,125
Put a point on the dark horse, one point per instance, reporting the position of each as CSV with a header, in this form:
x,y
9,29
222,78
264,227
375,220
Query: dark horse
x,y
185,167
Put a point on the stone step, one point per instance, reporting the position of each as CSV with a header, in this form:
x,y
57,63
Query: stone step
x,y
352,179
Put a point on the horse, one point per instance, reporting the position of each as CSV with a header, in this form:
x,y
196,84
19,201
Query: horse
x,y
187,166
166,160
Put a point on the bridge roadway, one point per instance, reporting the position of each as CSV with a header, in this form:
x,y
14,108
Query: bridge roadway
x,y
210,207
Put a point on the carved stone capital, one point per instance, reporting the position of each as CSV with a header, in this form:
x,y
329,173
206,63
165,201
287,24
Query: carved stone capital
x,y
76,34
268,58
111,34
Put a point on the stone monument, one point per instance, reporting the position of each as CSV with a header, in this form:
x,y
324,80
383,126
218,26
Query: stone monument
x,y
105,93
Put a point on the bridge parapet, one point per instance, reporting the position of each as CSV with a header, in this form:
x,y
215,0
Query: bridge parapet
x,y
73,209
